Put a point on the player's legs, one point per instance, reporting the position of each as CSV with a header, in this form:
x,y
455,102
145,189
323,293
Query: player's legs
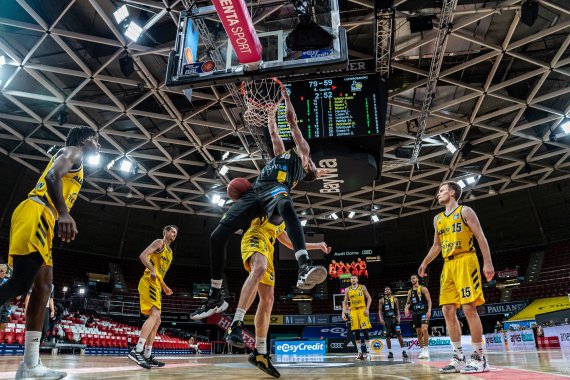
x,y
257,264
358,343
150,340
454,331
425,336
260,356
25,269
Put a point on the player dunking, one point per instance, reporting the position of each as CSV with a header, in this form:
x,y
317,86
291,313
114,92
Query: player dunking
x,y
31,233
257,255
389,316
359,313
419,301
461,282
157,258
269,195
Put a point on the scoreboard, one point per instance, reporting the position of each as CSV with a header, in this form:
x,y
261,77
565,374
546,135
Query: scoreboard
x,y
336,107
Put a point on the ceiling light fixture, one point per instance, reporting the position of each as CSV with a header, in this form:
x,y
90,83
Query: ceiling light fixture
x,y
470,180
121,14
304,222
334,216
375,219
221,202
461,184
449,145
94,160
216,198
133,31
351,214
126,165
224,170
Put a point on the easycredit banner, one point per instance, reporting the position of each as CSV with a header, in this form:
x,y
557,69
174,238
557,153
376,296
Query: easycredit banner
x,y
300,347
521,340
542,305
495,342
236,20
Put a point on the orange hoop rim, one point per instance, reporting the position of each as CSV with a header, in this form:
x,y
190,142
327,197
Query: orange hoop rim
x,y
250,101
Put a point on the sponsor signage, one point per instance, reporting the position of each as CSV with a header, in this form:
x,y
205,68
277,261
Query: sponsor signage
x,y
336,345
249,319
495,342
224,322
507,273
521,340
335,331
560,333
175,317
315,319
300,347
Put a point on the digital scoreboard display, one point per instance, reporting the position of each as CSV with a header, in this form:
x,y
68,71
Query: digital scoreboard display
x,y
337,107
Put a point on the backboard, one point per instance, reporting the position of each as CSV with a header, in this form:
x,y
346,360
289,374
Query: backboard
x,y
204,55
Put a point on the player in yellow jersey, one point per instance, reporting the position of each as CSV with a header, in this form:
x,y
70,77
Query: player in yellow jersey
x,y
157,258
360,302
461,281
31,232
257,255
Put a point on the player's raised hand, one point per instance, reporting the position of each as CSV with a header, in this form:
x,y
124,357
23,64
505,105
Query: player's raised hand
x,y
488,271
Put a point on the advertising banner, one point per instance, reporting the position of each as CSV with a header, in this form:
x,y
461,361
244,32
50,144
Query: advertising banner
x,y
495,342
353,261
336,345
224,322
521,340
249,319
542,305
560,333
300,347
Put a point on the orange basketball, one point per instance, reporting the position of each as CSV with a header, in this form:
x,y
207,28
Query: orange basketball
x,y
208,66
237,188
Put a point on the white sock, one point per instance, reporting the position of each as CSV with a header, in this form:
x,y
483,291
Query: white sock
x,y
147,351
217,284
261,345
368,346
140,345
32,348
457,349
238,316
478,348
300,253
359,348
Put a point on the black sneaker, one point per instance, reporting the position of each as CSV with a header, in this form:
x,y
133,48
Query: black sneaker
x,y
153,362
310,275
234,335
390,355
138,358
215,303
404,354
263,362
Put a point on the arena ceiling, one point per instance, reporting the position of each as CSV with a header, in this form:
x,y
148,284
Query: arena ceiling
x,y
501,98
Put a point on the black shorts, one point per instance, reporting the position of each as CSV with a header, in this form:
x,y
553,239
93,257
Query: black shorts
x,y
419,319
392,327
5,313
256,202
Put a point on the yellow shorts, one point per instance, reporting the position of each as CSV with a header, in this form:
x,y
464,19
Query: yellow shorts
x,y
150,295
461,282
359,321
32,230
254,241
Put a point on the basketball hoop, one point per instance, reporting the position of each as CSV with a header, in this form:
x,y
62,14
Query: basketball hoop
x,y
261,97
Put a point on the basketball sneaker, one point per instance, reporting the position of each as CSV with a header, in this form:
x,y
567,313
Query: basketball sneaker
x,y
390,355
234,335
263,362
40,371
454,365
310,275
138,358
215,303
426,354
360,356
153,362
476,364
404,354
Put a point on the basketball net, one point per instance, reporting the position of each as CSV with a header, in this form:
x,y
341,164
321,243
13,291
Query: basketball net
x,y
262,97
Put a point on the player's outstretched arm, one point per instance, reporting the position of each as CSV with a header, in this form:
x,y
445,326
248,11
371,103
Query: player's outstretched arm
x,y
300,142
433,252
276,140
472,221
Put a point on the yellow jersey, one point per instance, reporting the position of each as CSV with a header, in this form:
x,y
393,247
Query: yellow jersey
x,y
454,235
267,229
70,186
356,297
160,261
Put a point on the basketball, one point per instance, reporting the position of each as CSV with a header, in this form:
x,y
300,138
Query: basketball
x,y
208,66
237,188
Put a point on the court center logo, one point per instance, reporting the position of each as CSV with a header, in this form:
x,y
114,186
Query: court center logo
x,y
376,346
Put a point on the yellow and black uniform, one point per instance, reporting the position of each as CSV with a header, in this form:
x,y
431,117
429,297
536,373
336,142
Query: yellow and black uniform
x,y
389,310
461,275
149,290
419,307
274,183
358,321
33,221
260,237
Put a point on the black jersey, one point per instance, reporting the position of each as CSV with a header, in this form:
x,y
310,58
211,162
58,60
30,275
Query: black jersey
x,y
389,307
418,301
286,168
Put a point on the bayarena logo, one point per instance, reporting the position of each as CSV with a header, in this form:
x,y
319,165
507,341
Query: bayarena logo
x,y
376,346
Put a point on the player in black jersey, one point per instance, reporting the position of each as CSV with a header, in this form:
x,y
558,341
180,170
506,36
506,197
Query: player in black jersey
x,y
268,197
419,301
389,316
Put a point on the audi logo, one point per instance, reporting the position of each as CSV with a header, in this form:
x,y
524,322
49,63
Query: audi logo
x,y
337,345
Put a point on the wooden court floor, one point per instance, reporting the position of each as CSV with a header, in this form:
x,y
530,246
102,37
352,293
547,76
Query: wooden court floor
x,y
544,365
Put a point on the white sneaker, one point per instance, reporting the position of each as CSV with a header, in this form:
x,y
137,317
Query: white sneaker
x,y
426,354
477,364
454,366
422,354
38,372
